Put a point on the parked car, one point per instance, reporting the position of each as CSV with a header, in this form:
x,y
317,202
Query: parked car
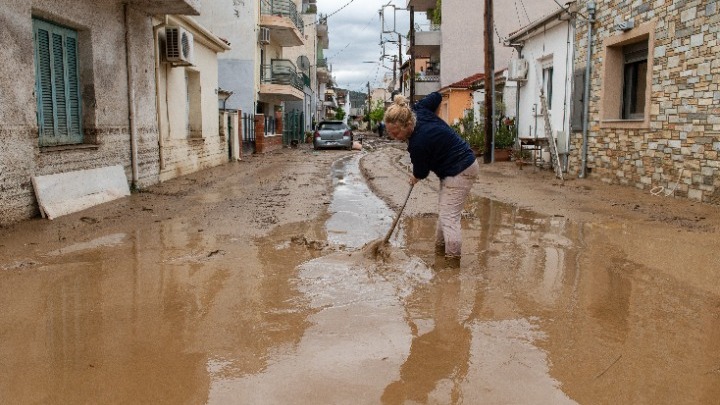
x,y
333,134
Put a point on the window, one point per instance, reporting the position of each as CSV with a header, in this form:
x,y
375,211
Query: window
x,y
193,106
625,96
57,84
548,85
634,79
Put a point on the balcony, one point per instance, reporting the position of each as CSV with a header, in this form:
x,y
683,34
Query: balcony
x,y
421,5
322,32
427,42
282,18
183,7
279,81
426,85
323,72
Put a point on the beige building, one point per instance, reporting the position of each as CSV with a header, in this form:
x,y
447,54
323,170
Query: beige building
x,y
454,46
85,85
654,111
272,70
187,99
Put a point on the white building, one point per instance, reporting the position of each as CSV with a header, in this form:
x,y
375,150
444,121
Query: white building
x,y
545,64
454,49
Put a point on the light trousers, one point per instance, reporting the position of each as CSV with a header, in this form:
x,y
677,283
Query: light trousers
x,y
451,199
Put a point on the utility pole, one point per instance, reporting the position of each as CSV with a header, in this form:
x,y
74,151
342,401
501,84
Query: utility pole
x,y
395,83
489,84
412,55
369,107
400,86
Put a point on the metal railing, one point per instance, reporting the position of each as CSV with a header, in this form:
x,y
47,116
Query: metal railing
x,y
284,8
248,133
269,125
293,127
427,78
282,72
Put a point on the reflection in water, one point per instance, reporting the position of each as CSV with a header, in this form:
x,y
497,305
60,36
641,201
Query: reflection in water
x,y
357,215
542,310
438,357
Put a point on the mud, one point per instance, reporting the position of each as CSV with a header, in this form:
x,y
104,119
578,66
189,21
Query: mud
x,y
249,283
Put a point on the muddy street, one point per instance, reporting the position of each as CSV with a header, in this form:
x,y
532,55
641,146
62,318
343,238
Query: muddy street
x,y
250,283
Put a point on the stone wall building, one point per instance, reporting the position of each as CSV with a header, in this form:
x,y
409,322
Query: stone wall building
x,y
654,112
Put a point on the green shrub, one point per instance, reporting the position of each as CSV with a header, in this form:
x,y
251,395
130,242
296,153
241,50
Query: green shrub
x,y
505,135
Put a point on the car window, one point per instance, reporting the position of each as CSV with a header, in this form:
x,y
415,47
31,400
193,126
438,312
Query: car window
x,y
333,126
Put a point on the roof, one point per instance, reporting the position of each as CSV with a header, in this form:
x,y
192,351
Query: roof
x,y
499,79
465,83
552,18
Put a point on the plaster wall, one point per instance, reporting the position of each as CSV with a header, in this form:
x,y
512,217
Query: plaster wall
x,y
462,50
548,47
104,97
189,147
239,68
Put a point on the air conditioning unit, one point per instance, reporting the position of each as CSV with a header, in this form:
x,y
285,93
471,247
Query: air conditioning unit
x,y
264,36
517,69
178,46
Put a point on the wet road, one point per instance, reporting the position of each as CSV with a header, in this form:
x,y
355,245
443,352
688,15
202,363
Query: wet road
x,y
541,311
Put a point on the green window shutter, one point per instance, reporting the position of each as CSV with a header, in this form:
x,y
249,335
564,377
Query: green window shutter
x,y
57,84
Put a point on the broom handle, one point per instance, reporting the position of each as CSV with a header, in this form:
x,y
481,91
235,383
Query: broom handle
x,y
397,218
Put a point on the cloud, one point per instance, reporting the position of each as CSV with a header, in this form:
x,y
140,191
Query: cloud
x,y
354,33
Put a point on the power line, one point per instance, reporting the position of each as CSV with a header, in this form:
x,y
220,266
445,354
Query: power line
x,y
331,14
522,3
349,43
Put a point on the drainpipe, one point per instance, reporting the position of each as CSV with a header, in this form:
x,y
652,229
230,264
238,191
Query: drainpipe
x,y
569,67
156,38
131,100
586,94
519,49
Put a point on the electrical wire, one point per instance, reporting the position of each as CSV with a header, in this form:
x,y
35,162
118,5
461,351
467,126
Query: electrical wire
x,y
328,15
349,43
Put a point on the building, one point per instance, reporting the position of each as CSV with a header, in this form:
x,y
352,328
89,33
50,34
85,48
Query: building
x,y
81,90
263,73
654,97
544,64
453,43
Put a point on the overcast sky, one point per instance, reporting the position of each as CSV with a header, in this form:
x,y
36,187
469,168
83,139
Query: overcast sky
x,y
354,32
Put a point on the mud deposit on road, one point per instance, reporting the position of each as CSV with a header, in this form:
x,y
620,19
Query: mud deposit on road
x,y
249,284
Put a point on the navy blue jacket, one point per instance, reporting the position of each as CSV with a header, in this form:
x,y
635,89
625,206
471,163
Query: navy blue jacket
x,y
434,145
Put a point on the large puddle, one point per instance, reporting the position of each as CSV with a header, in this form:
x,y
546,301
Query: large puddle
x,y
542,310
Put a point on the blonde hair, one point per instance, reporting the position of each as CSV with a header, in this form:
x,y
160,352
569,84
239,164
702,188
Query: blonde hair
x,y
399,113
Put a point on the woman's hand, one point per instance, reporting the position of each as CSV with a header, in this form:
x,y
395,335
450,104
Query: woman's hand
x,y
413,180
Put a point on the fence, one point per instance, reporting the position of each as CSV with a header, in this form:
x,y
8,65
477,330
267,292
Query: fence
x,y
269,125
248,133
293,127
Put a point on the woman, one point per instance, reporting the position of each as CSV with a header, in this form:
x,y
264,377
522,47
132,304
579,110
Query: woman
x,y
436,147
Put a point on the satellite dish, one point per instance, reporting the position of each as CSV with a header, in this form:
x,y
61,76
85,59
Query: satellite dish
x,y
303,62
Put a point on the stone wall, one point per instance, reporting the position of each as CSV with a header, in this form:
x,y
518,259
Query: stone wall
x,y
677,152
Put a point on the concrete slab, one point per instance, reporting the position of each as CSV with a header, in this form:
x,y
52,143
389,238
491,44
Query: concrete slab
x,y
65,193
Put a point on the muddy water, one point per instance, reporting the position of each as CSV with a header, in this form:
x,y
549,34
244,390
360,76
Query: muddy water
x,y
541,310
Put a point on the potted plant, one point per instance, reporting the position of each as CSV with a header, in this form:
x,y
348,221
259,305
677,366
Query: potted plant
x,y
504,139
471,132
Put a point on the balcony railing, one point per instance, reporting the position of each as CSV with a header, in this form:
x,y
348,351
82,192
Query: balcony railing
x,y
427,78
284,8
282,72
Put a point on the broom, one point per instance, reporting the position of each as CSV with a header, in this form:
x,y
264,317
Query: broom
x,y
378,248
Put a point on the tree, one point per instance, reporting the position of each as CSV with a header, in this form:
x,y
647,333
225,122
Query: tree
x,y
378,112
340,114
